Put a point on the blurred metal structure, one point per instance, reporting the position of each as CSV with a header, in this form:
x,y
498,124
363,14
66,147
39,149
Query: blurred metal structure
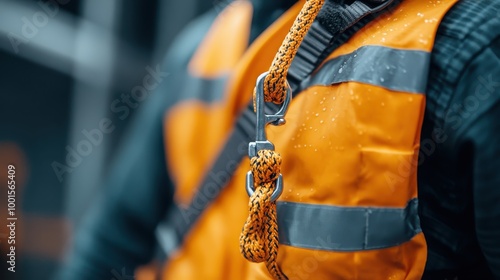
x,y
91,92
62,64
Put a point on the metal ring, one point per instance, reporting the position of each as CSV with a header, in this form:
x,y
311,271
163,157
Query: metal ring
x,y
277,192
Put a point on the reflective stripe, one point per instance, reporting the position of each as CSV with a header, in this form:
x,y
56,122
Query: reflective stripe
x,y
203,89
335,228
394,69
324,37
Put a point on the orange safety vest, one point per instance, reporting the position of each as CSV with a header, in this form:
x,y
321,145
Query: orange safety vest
x,y
349,148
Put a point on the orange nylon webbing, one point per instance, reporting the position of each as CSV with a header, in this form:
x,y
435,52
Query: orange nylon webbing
x,y
259,237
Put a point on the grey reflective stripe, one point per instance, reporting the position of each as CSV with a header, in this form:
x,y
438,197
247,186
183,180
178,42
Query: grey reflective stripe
x,y
394,69
203,89
334,228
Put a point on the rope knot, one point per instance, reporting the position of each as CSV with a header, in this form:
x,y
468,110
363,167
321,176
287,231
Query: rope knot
x,y
259,237
266,167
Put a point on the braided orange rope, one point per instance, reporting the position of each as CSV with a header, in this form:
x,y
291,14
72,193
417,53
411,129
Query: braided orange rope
x,y
275,83
259,237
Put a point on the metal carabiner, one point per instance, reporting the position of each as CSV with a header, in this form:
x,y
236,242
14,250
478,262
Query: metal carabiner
x,y
261,142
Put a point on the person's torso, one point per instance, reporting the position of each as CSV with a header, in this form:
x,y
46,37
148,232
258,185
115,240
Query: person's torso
x,y
350,149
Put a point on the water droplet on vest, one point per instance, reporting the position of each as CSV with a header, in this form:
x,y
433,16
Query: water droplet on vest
x,y
424,41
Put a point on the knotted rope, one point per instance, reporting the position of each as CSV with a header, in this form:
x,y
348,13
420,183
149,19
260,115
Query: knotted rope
x,y
259,237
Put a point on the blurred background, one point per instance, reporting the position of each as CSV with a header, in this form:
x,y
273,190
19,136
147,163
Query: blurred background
x,y
64,67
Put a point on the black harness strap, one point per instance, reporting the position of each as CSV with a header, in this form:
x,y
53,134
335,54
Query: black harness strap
x,y
180,220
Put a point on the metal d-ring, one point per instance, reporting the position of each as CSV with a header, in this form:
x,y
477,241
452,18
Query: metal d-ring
x,y
277,192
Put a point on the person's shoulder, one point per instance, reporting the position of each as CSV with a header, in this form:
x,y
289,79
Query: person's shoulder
x,y
468,28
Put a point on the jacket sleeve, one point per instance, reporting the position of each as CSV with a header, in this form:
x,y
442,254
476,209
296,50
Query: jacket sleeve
x,y
117,235
479,137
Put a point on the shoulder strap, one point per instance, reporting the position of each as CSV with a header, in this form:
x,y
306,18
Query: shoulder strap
x,y
179,221
324,36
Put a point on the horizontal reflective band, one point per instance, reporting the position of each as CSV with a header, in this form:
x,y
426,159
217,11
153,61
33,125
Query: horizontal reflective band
x,y
394,69
335,228
203,89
